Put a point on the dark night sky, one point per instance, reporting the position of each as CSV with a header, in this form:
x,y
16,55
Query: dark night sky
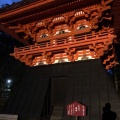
x,y
10,68
7,2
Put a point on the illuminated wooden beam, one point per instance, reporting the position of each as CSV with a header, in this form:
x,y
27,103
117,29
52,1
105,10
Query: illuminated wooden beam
x,y
13,27
19,31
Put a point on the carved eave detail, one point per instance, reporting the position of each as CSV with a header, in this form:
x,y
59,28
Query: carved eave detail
x,y
71,52
93,15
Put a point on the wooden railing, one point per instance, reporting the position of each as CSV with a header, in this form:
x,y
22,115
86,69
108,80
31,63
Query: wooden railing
x,y
65,42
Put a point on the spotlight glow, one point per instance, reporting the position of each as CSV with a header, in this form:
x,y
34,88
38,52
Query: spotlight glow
x,y
9,81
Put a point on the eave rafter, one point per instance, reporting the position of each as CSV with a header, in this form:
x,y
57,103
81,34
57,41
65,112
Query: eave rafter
x,y
94,15
57,6
24,8
11,33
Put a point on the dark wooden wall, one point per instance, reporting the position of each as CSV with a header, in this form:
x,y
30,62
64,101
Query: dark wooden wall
x,y
85,81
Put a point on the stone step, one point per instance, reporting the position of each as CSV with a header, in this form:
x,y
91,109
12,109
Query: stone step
x,y
57,113
55,118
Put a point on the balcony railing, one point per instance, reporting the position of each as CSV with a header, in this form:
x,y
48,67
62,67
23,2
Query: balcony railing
x,y
65,42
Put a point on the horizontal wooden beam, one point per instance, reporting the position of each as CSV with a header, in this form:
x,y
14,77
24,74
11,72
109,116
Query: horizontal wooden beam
x,y
13,27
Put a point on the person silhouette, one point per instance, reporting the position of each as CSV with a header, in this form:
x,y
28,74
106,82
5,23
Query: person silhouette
x,y
107,113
